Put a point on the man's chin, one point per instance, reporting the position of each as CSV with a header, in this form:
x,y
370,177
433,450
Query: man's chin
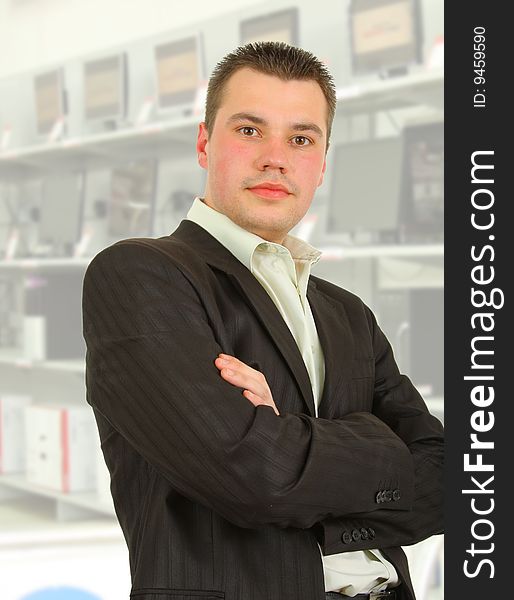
x,y
268,230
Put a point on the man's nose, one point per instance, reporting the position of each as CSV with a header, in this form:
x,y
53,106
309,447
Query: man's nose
x,y
273,155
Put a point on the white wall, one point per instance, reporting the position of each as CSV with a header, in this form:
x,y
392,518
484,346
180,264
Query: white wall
x,y
36,33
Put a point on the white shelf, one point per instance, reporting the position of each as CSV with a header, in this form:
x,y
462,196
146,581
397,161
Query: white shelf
x,y
80,152
28,523
12,358
44,263
410,272
424,87
87,502
380,251
153,129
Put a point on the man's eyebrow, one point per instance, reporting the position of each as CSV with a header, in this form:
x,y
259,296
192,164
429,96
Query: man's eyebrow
x,y
242,116
249,117
307,127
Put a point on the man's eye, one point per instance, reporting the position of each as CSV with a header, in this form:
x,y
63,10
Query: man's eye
x,y
301,140
248,131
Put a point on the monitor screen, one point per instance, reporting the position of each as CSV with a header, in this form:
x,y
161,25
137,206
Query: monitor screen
x,y
61,212
105,82
385,35
422,205
281,26
49,97
178,72
132,199
366,186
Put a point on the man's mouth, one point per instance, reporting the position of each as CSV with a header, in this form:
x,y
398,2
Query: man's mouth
x,y
270,190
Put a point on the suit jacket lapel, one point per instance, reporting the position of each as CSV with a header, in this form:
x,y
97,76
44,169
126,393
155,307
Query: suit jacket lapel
x,y
272,321
336,339
256,297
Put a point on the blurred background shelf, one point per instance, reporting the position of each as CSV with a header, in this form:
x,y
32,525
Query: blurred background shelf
x,y
166,138
31,521
423,88
381,251
41,264
67,506
13,360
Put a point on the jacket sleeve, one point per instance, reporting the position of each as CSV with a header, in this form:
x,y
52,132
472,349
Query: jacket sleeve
x,y
398,404
150,372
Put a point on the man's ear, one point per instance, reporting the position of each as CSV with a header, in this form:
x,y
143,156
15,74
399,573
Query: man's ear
x,y
201,145
322,172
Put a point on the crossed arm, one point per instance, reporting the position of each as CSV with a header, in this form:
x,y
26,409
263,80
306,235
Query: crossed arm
x,y
398,528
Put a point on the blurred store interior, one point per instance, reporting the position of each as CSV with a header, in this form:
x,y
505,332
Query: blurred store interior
x,y
99,108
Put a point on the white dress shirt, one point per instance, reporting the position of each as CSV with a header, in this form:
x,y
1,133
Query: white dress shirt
x,y
283,270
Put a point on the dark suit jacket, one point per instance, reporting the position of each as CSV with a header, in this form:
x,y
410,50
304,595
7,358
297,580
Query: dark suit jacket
x,y
221,499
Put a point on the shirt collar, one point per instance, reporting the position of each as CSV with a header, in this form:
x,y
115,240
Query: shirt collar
x,y
242,243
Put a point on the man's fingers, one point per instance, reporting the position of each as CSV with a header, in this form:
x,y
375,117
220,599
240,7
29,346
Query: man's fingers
x,y
249,378
243,380
227,360
253,382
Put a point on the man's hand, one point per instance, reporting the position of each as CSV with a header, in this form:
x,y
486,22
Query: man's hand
x,y
253,382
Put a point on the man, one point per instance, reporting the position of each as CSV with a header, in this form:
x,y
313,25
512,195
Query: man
x,y
261,442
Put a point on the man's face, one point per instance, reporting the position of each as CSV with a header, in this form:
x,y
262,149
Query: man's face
x,y
265,155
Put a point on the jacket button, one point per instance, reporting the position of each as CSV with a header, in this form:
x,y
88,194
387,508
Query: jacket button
x,y
396,494
364,533
371,533
346,537
356,535
388,494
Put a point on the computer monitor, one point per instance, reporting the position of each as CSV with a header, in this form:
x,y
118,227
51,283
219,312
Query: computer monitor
x,y
365,190
132,201
386,36
105,88
50,100
422,199
281,26
61,214
179,66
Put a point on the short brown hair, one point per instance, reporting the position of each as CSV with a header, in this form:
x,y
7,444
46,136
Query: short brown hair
x,y
271,58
